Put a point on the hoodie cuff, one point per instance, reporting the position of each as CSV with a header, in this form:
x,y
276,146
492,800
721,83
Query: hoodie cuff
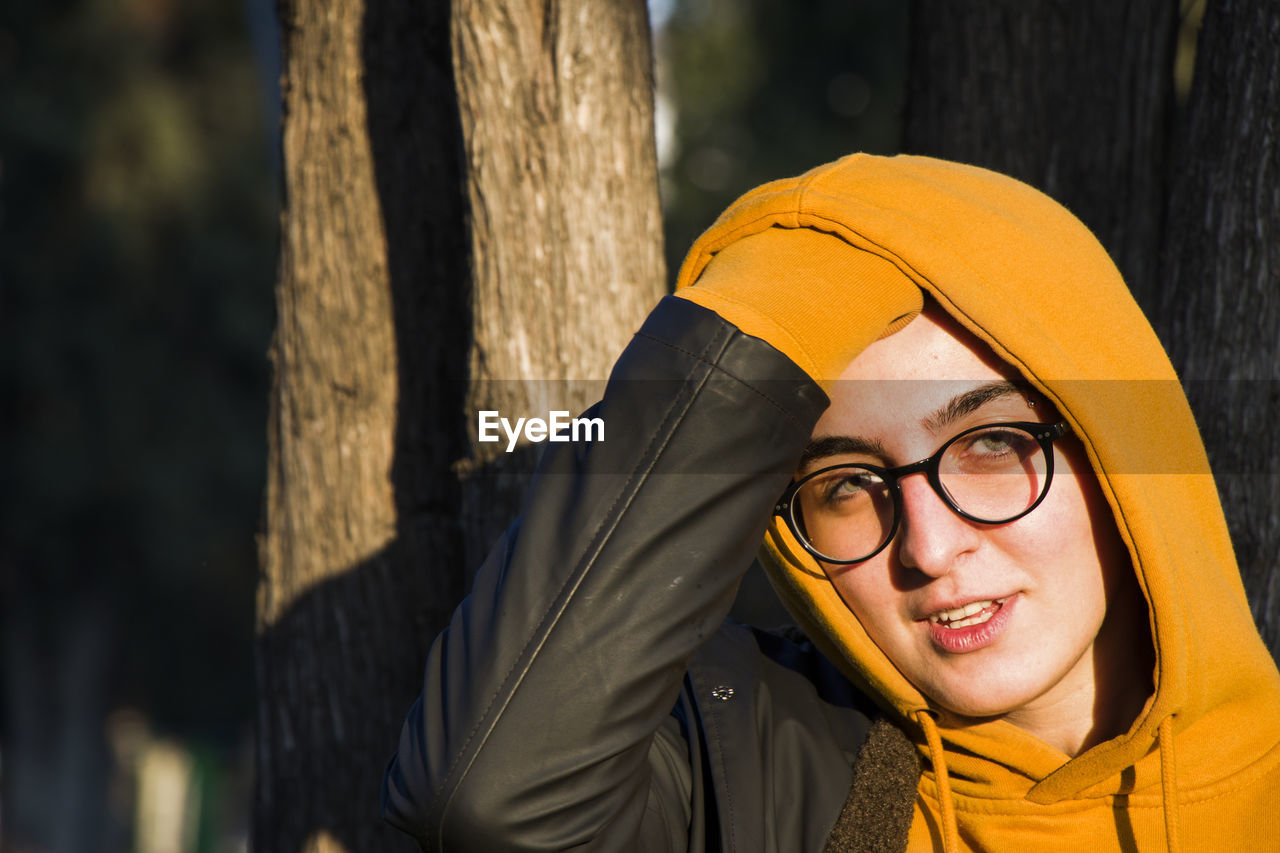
x,y
810,294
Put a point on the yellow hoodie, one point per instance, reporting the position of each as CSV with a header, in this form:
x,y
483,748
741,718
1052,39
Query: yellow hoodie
x,y
1199,769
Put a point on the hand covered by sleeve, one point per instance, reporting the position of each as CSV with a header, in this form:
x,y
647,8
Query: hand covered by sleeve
x,y
811,294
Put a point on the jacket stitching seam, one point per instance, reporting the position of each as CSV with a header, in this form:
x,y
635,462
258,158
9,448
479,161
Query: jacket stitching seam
x,y
714,366
551,615
711,720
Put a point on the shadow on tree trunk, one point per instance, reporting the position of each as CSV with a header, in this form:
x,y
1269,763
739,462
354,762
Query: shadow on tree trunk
x,y
342,664
349,655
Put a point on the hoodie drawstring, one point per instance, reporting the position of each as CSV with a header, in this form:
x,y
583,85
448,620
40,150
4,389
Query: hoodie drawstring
x,y
1169,784
950,830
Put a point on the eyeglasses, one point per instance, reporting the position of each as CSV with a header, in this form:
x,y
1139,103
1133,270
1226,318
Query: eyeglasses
x,y
992,474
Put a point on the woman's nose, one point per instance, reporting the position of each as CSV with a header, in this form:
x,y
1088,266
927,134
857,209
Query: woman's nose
x,y
931,536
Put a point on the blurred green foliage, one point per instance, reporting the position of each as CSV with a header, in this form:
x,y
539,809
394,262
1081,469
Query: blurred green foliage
x,y
137,257
764,89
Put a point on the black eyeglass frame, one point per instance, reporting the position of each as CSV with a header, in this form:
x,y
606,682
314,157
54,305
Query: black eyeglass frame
x,y
1044,434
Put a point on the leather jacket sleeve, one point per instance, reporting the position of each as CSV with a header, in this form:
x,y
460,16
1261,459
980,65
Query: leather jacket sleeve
x,y
545,717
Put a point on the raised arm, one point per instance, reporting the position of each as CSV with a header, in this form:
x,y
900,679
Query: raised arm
x,y
542,697
544,722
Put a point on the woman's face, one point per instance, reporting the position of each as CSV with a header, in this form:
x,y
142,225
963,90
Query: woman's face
x,y
986,620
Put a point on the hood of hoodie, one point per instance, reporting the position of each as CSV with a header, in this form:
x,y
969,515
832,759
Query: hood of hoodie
x,y
1027,278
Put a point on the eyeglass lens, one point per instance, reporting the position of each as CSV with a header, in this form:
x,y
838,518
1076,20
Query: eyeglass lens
x,y
992,475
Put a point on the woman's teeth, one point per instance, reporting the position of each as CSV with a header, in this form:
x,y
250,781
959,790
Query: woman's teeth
x,y
974,613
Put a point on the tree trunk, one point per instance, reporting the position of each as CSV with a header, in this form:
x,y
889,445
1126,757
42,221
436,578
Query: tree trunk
x,y
1219,307
439,245
566,232
1075,102
1072,97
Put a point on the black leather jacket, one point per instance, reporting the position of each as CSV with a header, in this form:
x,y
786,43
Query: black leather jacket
x,y
546,719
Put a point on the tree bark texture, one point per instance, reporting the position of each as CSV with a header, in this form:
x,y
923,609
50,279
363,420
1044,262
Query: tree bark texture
x,y
1072,97
1075,98
1218,309
337,633
556,102
440,243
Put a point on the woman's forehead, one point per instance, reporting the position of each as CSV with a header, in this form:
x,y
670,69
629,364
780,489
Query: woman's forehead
x,y
932,346
905,380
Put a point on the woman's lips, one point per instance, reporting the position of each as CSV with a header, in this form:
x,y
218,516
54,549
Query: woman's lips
x,y
973,613
972,626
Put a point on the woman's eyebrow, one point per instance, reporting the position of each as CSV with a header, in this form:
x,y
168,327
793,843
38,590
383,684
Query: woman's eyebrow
x,y
950,412
839,445
970,401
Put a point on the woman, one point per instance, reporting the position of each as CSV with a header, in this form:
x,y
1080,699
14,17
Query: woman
x,y
1000,534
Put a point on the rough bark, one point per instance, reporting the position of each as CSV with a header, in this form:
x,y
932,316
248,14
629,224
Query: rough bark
x,y
430,258
1071,97
335,641
1075,101
1218,310
556,102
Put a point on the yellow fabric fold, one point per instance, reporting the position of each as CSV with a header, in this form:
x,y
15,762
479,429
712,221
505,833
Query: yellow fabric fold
x,y
809,293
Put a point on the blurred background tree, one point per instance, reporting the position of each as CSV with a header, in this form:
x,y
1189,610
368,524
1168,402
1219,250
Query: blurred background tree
x,y
755,90
137,222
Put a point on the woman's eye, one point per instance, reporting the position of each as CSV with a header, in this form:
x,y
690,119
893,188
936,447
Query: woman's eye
x,y
847,485
999,443
994,442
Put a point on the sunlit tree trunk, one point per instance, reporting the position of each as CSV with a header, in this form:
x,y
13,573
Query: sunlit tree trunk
x,y
470,200
566,233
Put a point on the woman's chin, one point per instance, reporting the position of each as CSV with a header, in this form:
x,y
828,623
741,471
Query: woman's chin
x,y
983,702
